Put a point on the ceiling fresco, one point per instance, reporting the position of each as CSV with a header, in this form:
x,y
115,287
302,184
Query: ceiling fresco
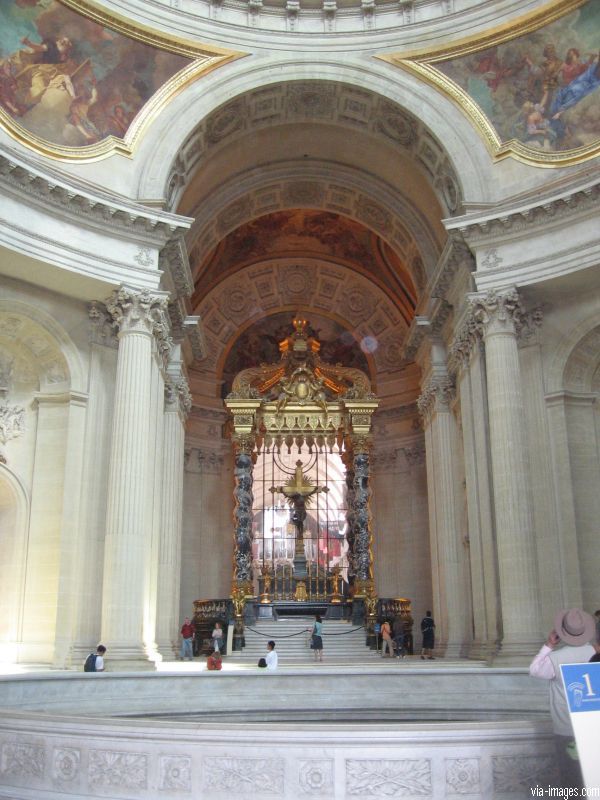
x,y
259,344
70,79
535,90
307,233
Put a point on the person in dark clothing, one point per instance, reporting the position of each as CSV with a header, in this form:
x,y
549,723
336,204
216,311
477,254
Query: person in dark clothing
x,y
428,631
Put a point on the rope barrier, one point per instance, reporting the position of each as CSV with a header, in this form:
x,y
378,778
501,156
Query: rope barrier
x,y
299,633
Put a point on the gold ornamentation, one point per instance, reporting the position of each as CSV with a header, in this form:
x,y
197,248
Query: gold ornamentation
x,y
300,593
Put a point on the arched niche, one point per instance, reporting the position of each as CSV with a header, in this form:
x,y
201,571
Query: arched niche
x,y
14,507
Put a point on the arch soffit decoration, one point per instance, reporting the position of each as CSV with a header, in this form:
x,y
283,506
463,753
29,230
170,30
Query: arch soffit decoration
x,y
301,285
41,347
576,359
322,187
319,102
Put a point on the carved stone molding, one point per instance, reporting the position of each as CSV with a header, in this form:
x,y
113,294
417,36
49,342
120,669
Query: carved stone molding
x,y
465,341
103,328
423,327
456,254
177,395
174,261
436,396
48,190
203,461
479,228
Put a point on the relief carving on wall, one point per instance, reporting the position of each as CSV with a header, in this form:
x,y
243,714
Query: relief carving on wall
x,y
232,775
388,778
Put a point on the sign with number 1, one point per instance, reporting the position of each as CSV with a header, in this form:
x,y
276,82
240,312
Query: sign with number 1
x,y
582,687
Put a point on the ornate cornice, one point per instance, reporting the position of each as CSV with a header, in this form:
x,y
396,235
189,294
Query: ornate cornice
x,y
456,253
69,199
437,395
423,327
174,261
538,212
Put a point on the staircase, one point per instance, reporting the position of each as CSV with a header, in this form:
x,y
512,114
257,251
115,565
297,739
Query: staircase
x,y
294,650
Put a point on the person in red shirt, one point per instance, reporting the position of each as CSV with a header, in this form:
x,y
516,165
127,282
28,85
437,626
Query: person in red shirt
x,y
214,661
187,640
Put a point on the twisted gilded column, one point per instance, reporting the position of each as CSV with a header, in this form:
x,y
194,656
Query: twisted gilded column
x,y
242,494
451,608
178,403
139,316
500,316
361,513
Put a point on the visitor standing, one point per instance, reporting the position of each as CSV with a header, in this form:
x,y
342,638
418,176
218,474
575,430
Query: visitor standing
x,y
575,629
217,637
316,641
428,631
271,658
387,644
187,640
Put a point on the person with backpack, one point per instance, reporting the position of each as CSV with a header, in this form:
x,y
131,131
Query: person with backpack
x,y
95,661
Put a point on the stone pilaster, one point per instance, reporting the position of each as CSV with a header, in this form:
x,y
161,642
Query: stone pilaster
x,y
500,316
139,316
178,403
441,439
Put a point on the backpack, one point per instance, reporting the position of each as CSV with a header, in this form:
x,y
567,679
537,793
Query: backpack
x,y
90,663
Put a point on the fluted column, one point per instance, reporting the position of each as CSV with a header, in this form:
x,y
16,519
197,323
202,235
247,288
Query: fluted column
x,y
500,315
466,360
178,403
449,596
130,484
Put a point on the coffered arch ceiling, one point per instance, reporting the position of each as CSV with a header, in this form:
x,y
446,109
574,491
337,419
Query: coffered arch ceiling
x,y
313,195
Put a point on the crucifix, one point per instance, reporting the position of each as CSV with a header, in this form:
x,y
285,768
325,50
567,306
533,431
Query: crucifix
x,y
298,491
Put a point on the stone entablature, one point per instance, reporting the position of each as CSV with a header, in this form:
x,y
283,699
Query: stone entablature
x,y
122,243
524,242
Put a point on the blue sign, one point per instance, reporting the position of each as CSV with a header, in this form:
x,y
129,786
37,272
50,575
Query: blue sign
x,y
582,684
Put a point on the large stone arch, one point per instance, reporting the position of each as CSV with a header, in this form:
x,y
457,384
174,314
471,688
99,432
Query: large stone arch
x,y
334,188
161,169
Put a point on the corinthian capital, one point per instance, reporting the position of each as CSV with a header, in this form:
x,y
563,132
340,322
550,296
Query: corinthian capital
x,y
498,312
178,396
463,346
138,311
436,396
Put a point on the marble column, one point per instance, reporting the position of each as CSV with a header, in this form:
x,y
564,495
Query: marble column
x,y
451,611
139,316
500,315
350,535
178,403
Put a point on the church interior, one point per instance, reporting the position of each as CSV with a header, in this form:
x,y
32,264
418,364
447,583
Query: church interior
x,y
299,314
